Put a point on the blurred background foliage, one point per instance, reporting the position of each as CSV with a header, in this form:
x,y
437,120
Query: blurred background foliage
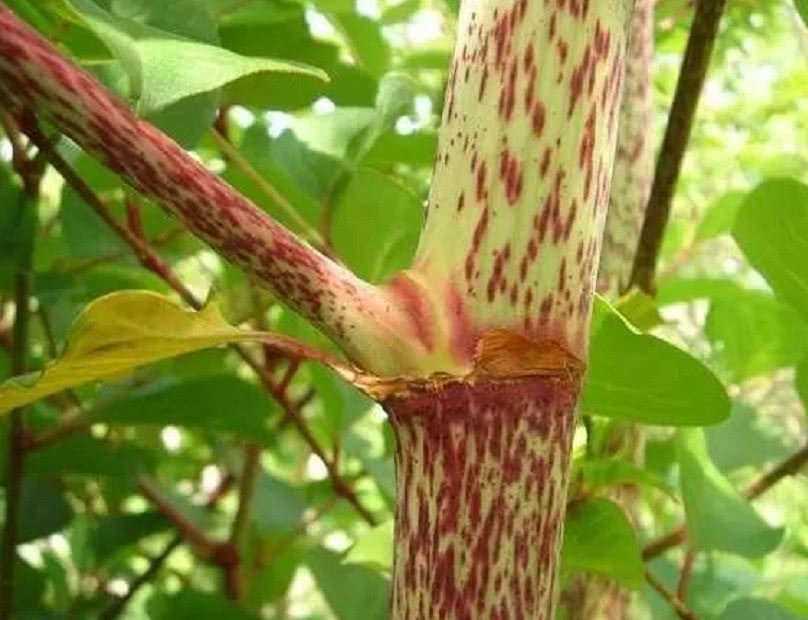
x,y
138,495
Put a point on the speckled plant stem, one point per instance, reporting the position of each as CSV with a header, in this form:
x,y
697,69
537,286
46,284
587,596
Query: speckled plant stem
x,y
634,158
590,597
488,329
521,182
34,76
482,475
520,188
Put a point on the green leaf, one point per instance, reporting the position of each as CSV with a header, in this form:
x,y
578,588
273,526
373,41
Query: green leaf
x,y
608,472
753,333
599,539
365,41
390,148
159,63
113,534
277,505
719,216
194,604
374,549
273,581
772,230
743,439
222,403
376,225
756,609
641,310
43,509
718,518
801,381
400,12
352,591
342,403
86,455
802,9
119,332
640,377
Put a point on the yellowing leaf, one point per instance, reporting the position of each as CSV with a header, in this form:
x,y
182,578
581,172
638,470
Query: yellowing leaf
x,y
123,330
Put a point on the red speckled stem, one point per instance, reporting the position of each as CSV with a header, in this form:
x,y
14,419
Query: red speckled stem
x,y
482,479
634,158
360,317
521,182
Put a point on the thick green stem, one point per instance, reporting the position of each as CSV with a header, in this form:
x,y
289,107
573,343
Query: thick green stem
x,y
589,597
521,183
482,479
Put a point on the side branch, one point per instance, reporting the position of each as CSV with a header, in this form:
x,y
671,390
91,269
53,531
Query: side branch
x,y
680,121
36,77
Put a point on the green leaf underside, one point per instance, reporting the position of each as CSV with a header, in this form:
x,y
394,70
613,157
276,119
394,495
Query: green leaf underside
x,y
599,539
119,332
640,377
718,518
157,61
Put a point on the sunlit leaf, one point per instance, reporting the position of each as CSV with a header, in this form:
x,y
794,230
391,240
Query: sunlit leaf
x,y
159,63
119,332
640,377
374,548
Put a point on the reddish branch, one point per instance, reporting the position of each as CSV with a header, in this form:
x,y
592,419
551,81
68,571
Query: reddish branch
x,y
152,261
682,610
677,134
36,77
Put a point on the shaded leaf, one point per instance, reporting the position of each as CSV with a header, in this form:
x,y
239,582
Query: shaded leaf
x,y
718,518
277,506
743,440
112,534
195,604
772,230
43,509
352,591
719,216
86,455
599,539
376,226
221,403
756,609
614,472
753,333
